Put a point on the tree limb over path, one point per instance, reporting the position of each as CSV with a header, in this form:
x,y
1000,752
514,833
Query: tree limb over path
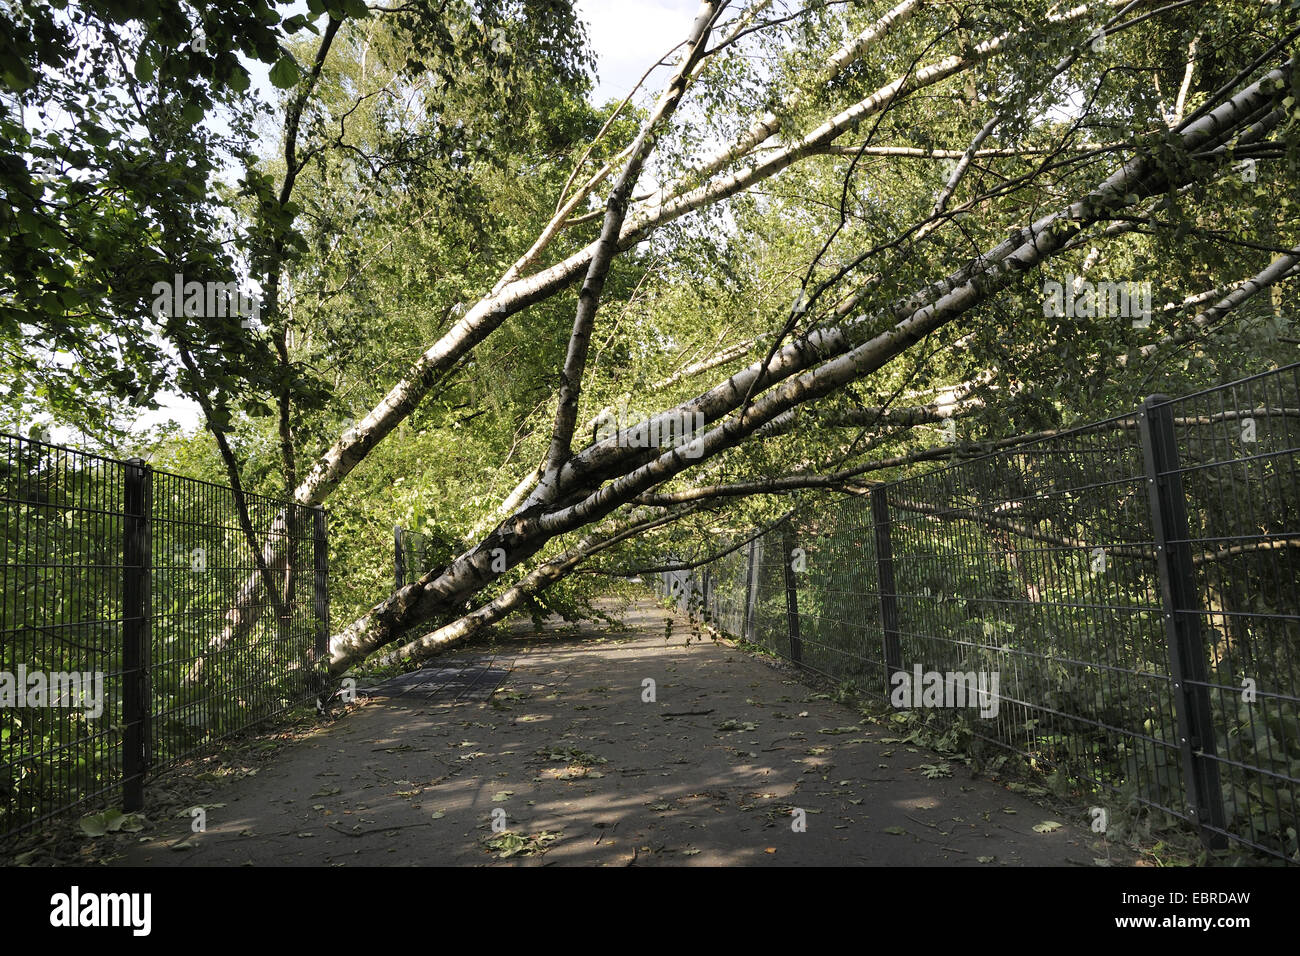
x,y
612,473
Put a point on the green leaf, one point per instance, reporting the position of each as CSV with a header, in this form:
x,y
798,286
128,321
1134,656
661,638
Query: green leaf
x,y
94,825
285,72
1047,826
144,68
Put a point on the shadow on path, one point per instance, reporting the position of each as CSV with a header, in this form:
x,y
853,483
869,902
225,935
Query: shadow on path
x,y
552,737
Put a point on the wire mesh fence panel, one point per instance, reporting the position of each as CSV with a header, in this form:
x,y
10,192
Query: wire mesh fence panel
x,y
1036,566
413,556
727,589
1118,603
61,669
681,587
135,625
1236,462
832,560
227,652
769,622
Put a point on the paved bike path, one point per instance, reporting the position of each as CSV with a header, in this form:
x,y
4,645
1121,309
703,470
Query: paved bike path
x,y
551,741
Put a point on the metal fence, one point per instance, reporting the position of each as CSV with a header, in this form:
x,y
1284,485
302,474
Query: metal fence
x,y
413,556
135,628
1133,584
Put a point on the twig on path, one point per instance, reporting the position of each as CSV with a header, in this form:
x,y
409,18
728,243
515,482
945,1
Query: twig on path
x,y
917,836
932,826
353,833
603,834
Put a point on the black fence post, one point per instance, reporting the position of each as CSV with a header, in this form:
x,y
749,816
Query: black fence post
x,y
136,718
706,594
745,606
321,591
788,545
399,560
1188,659
885,577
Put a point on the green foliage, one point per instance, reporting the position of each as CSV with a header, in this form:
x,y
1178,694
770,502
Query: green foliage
x,y
110,182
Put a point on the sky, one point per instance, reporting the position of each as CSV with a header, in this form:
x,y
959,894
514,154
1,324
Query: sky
x,y
629,35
